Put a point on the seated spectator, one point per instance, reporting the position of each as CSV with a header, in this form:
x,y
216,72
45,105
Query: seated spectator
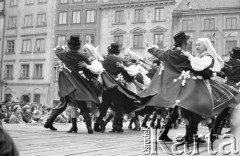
x,y
37,113
27,114
5,113
7,146
16,116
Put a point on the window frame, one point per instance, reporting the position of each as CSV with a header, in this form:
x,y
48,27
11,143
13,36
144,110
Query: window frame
x,y
38,74
86,17
156,43
44,45
30,46
23,75
231,23
214,26
12,46
187,24
6,75
155,13
139,45
118,36
80,20
31,17
60,12
57,37
45,22
227,52
121,16
136,20
11,18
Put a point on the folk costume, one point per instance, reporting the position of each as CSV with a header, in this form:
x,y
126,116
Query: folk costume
x,y
74,87
233,80
115,92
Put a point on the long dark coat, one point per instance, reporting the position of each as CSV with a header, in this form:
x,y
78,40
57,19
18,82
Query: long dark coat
x,y
81,88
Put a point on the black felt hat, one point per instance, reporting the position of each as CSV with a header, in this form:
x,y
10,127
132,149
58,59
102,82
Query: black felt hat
x,y
180,38
74,40
235,53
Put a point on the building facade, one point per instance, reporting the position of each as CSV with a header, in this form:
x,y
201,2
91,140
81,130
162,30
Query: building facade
x,y
75,17
218,20
131,22
27,55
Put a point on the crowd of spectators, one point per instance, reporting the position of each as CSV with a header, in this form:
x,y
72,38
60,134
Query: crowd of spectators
x,y
31,113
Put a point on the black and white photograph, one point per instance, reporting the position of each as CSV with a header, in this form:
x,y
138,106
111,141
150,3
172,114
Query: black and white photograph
x,y
119,77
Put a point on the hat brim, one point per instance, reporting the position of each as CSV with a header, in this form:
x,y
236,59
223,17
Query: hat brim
x,y
185,39
233,56
73,43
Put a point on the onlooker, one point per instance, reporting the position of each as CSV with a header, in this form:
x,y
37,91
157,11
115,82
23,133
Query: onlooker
x,y
27,114
5,113
16,116
37,113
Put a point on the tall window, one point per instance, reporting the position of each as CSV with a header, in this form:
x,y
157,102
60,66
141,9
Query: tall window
x,y
29,2
119,40
229,45
61,40
137,41
159,14
40,44
209,24
38,68
76,1
42,1
12,22
76,17
41,19
26,47
24,71
63,1
9,71
187,25
10,46
119,16
37,98
231,23
90,16
62,17
13,3
138,15
158,40
27,20
89,38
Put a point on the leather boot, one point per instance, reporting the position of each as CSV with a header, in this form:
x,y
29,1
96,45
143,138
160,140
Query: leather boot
x,y
212,135
109,117
130,124
144,121
74,126
116,123
49,125
158,126
96,127
88,124
220,120
102,124
182,139
137,124
163,134
153,119
121,122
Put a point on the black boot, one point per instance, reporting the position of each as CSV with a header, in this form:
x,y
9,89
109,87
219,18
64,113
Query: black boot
x,y
102,124
158,126
130,124
121,122
153,119
74,126
220,120
49,125
144,121
96,127
163,134
137,124
88,124
109,117
116,123
212,135
193,132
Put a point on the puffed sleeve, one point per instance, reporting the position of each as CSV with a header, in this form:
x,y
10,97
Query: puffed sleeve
x,y
132,70
95,67
199,64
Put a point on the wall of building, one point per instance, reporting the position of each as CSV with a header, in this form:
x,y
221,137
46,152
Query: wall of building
x,y
148,27
16,85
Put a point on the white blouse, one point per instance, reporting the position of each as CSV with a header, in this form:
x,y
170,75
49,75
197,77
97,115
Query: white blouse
x,y
96,67
200,63
132,70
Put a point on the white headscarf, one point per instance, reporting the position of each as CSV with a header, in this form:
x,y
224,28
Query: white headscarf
x,y
93,51
218,62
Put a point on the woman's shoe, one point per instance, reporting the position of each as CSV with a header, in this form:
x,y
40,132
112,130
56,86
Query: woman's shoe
x,y
73,129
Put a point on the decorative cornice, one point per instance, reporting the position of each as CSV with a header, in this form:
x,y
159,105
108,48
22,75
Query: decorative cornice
x,y
9,60
133,3
32,60
10,36
31,35
118,31
137,30
158,29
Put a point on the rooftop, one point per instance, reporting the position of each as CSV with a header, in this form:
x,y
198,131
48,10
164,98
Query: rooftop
x,y
208,4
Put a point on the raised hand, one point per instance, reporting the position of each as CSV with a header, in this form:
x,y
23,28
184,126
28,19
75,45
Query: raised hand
x,y
82,64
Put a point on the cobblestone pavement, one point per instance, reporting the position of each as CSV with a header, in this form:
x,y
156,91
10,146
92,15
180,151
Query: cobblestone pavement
x,y
34,140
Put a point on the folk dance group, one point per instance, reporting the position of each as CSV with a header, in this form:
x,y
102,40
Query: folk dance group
x,y
183,83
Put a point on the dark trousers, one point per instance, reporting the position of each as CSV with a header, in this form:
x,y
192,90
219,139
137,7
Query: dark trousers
x,y
58,109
